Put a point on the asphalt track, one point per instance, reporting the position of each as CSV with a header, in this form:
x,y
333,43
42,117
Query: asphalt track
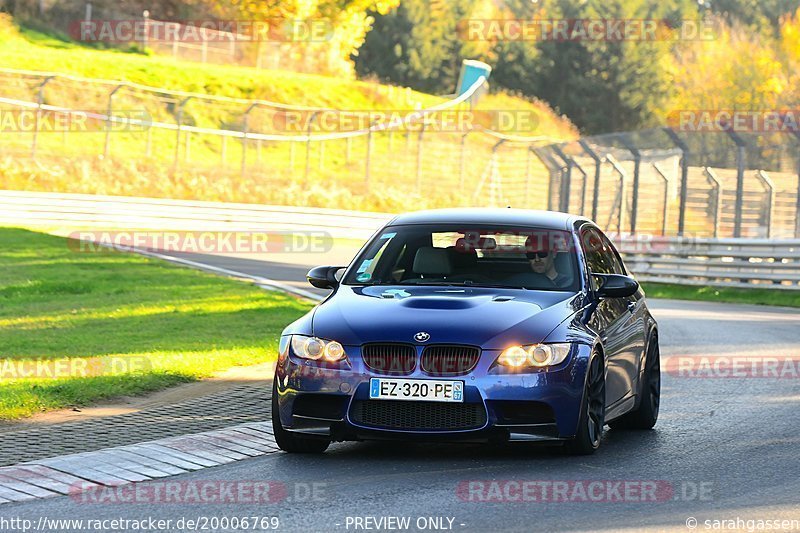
x,y
725,448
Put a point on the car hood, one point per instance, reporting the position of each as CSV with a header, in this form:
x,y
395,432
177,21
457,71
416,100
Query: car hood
x,y
487,317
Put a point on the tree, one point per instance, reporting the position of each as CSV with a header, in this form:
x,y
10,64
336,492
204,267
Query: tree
x,y
416,45
608,85
757,15
348,22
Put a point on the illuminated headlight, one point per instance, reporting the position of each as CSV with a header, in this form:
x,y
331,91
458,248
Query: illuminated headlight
x,y
317,349
534,355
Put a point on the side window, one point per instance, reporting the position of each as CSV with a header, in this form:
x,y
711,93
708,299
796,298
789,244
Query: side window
x,y
595,248
614,257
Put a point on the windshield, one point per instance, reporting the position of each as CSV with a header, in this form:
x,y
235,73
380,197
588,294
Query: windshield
x,y
531,258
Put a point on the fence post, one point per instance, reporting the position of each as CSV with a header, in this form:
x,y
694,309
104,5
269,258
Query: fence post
x,y
583,186
665,206
770,190
527,175
245,131
492,176
717,185
598,168
292,151
684,148
462,161
740,165
368,159
566,183
109,122
419,156
148,148
495,174
39,104
620,193
637,161
178,136
796,135
552,166
146,34
308,142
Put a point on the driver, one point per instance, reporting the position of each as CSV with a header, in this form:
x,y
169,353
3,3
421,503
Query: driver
x,y
544,262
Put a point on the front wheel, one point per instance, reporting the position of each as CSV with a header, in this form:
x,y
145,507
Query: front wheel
x,y
593,410
291,442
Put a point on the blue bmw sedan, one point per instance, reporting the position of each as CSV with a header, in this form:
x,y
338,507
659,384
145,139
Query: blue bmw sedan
x,y
471,325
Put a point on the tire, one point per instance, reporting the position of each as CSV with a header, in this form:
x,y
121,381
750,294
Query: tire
x,y
291,442
646,415
593,410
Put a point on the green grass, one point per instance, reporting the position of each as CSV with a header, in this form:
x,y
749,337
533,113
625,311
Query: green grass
x,y
175,324
723,294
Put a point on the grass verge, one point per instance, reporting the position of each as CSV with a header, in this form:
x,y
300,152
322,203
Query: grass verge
x,y
91,326
723,294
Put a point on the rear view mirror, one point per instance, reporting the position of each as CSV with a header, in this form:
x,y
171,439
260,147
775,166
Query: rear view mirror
x,y
616,286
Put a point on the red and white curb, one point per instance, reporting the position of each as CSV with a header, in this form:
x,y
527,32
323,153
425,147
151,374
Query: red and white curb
x,y
133,463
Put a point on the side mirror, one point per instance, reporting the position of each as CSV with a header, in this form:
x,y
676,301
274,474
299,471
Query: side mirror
x,y
324,277
616,286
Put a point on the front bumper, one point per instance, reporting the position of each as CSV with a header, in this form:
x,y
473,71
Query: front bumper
x,y
499,405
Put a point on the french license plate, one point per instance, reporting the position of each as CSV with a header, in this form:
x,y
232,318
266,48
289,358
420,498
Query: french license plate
x,y
430,390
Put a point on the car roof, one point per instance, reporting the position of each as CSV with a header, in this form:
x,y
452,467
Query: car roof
x,y
491,216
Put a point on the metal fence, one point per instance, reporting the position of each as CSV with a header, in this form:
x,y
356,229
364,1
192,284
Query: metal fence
x,y
659,181
258,142
669,182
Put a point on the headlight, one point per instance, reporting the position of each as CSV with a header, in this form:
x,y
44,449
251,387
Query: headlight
x,y
317,349
534,355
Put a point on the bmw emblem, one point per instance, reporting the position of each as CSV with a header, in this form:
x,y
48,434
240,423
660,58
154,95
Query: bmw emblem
x,y
422,336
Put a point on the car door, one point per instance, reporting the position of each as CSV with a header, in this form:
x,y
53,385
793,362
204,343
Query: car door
x,y
611,318
634,331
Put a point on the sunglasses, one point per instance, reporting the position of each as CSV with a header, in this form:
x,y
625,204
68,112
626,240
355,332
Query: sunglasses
x,y
537,255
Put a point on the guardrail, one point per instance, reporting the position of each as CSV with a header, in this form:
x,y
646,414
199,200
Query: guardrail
x,y
86,211
762,263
